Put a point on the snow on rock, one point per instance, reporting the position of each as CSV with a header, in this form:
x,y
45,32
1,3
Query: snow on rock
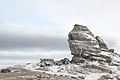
x,y
102,44
85,46
81,40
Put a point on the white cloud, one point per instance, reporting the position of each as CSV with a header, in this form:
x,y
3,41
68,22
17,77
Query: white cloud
x,y
101,16
25,38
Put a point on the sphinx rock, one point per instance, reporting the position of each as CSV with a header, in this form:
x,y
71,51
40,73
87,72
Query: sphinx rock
x,y
83,44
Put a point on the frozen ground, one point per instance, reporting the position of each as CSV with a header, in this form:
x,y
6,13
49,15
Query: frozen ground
x,y
89,70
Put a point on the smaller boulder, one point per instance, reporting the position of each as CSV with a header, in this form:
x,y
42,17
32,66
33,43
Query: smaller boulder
x,y
46,62
77,59
66,61
101,42
111,50
5,70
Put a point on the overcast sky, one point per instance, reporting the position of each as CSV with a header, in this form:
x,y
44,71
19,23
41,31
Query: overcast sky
x,y
43,25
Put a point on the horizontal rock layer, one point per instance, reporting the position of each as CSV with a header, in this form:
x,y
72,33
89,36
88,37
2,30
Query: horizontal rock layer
x,y
82,43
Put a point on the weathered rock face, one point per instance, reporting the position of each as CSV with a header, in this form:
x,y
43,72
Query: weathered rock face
x,y
51,62
102,44
82,43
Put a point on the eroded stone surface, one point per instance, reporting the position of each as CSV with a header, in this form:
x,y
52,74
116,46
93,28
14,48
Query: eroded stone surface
x,y
102,44
82,43
81,40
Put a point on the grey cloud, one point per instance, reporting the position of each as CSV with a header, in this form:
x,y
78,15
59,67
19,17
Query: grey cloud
x,y
12,41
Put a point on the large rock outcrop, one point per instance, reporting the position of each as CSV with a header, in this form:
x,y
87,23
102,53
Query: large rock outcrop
x,y
83,44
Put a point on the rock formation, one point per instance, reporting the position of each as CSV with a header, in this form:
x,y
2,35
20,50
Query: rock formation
x,y
83,44
51,62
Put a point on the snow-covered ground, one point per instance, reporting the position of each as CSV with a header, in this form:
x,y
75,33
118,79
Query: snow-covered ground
x,y
91,70
68,70
18,57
